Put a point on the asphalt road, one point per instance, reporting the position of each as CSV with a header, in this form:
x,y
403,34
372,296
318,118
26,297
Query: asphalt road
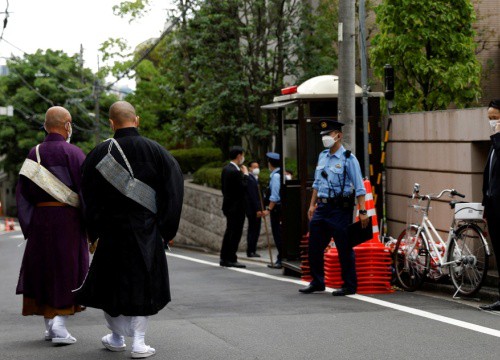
x,y
257,313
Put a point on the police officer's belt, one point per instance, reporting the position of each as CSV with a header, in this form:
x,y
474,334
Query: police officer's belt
x,y
340,202
124,180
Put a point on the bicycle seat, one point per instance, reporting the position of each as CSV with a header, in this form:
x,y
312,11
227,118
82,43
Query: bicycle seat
x,y
454,202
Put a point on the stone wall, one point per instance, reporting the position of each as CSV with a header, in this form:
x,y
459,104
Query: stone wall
x,y
202,222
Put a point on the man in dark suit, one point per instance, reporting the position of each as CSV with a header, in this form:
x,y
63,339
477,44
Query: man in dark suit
x,y
253,209
234,180
491,188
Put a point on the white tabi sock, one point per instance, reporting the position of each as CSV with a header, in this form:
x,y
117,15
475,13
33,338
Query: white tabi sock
x,y
48,329
59,327
139,345
48,324
117,339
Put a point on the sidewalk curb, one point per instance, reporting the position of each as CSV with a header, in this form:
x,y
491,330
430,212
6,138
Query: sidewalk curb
x,y
487,293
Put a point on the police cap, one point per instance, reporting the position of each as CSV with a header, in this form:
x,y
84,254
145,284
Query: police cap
x,y
327,126
273,156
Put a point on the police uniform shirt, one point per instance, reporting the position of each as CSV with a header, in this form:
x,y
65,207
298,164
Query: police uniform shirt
x,y
274,185
333,165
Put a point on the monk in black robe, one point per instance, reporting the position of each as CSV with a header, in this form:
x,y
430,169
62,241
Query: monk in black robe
x,y
128,276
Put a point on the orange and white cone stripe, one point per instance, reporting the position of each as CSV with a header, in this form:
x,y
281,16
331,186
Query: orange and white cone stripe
x,y
370,208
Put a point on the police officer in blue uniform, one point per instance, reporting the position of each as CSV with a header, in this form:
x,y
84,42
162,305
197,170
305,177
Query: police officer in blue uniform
x,y
274,207
337,183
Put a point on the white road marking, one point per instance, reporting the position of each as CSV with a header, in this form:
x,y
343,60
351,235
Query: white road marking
x,y
387,304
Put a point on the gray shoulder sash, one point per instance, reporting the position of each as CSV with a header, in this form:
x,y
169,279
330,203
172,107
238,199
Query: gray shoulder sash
x,y
124,180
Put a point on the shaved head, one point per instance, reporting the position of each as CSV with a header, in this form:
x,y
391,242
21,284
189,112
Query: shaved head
x,y
56,118
122,114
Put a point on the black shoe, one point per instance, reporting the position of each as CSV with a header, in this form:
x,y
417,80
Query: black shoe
x,y
276,265
250,255
493,307
311,288
343,292
232,264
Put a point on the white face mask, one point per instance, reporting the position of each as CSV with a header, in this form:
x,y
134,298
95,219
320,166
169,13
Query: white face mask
x,y
256,171
329,141
70,132
493,124
288,177
242,161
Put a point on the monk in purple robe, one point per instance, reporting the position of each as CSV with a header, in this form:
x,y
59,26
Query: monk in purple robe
x,y
56,258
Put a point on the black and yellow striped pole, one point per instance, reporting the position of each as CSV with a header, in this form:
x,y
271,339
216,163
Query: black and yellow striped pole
x,y
381,179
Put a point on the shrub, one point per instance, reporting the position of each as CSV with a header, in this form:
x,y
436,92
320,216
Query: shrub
x,y
191,160
210,175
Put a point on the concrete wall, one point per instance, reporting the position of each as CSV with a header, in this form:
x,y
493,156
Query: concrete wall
x,y
202,222
7,194
438,150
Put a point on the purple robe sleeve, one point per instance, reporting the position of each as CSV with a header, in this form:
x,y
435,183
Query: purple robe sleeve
x,y
24,206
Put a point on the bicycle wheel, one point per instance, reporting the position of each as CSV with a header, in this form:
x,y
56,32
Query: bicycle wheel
x,y
467,250
411,259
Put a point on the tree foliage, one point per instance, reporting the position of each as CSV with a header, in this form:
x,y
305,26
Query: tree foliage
x,y
36,82
226,58
430,44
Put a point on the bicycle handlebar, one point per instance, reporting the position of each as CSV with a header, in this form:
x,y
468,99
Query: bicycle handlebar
x,y
429,197
454,192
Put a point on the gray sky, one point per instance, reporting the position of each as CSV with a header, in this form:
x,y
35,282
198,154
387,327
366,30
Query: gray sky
x,y
65,24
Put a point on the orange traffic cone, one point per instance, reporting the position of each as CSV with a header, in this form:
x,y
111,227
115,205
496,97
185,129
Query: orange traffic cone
x,y
370,209
373,260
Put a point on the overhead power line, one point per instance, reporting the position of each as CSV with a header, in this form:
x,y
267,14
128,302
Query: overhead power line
x,y
14,46
5,20
32,88
146,53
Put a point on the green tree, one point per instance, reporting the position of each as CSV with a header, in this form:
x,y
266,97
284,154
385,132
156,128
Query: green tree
x,y
208,79
36,82
316,45
430,44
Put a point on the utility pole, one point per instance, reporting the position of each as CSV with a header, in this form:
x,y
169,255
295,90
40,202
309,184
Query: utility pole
x,y
364,84
346,104
81,63
97,97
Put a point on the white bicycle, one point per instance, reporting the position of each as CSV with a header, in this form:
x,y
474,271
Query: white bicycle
x,y
420,251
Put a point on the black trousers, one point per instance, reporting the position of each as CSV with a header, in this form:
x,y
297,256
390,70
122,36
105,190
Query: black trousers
x,y
492,209
328,222
276,229
232,236
253,232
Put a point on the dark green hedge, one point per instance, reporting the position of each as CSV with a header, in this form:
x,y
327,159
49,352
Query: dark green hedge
x,y
210,176
191,160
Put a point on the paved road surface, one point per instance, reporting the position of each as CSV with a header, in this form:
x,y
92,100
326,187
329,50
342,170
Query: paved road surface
x,y
257,313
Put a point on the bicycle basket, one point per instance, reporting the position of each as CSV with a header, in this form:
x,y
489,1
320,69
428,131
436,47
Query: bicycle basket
x,y
469,211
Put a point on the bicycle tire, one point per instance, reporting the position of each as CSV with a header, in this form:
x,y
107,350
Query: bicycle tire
x,y
468,247
411,267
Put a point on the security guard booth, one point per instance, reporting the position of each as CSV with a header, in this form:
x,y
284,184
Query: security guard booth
x,y
297,113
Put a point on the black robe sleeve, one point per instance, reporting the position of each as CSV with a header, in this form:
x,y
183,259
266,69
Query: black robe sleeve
x,y
170,197
91,195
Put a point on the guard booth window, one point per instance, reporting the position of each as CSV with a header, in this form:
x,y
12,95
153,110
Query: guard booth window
x,y
314,111
314,147
290,143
